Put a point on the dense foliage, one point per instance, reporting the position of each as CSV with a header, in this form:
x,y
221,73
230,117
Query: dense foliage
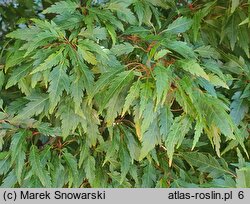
x,y
127,93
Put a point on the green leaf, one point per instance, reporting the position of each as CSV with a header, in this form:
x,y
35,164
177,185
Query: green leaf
x,y
122,49
235,4
76,91
132,145
243,39
93,125
24,33
18,74
180,25
95,33
53,60
208,52
58,174
232,33
18,148
147,16
59,81
178,130
149,139
243,172
239,108
62,7
146,96
244,22
20,165
149,176
69,120
82,70
112,33
215,134
117,84
10,180
111,151
93,47
87,56
114,107
133,94
17,143
207,164
16,105
4,155
36,106
197,23
148,116
165,121
216,111
15,59
42,39
125,161
198,131
90,169
161,54
37,167
193,67
139,10
123,12
181,48
47,129
72,166
163,80
103,81
5,165
217,81
225,182
243,177
83,154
